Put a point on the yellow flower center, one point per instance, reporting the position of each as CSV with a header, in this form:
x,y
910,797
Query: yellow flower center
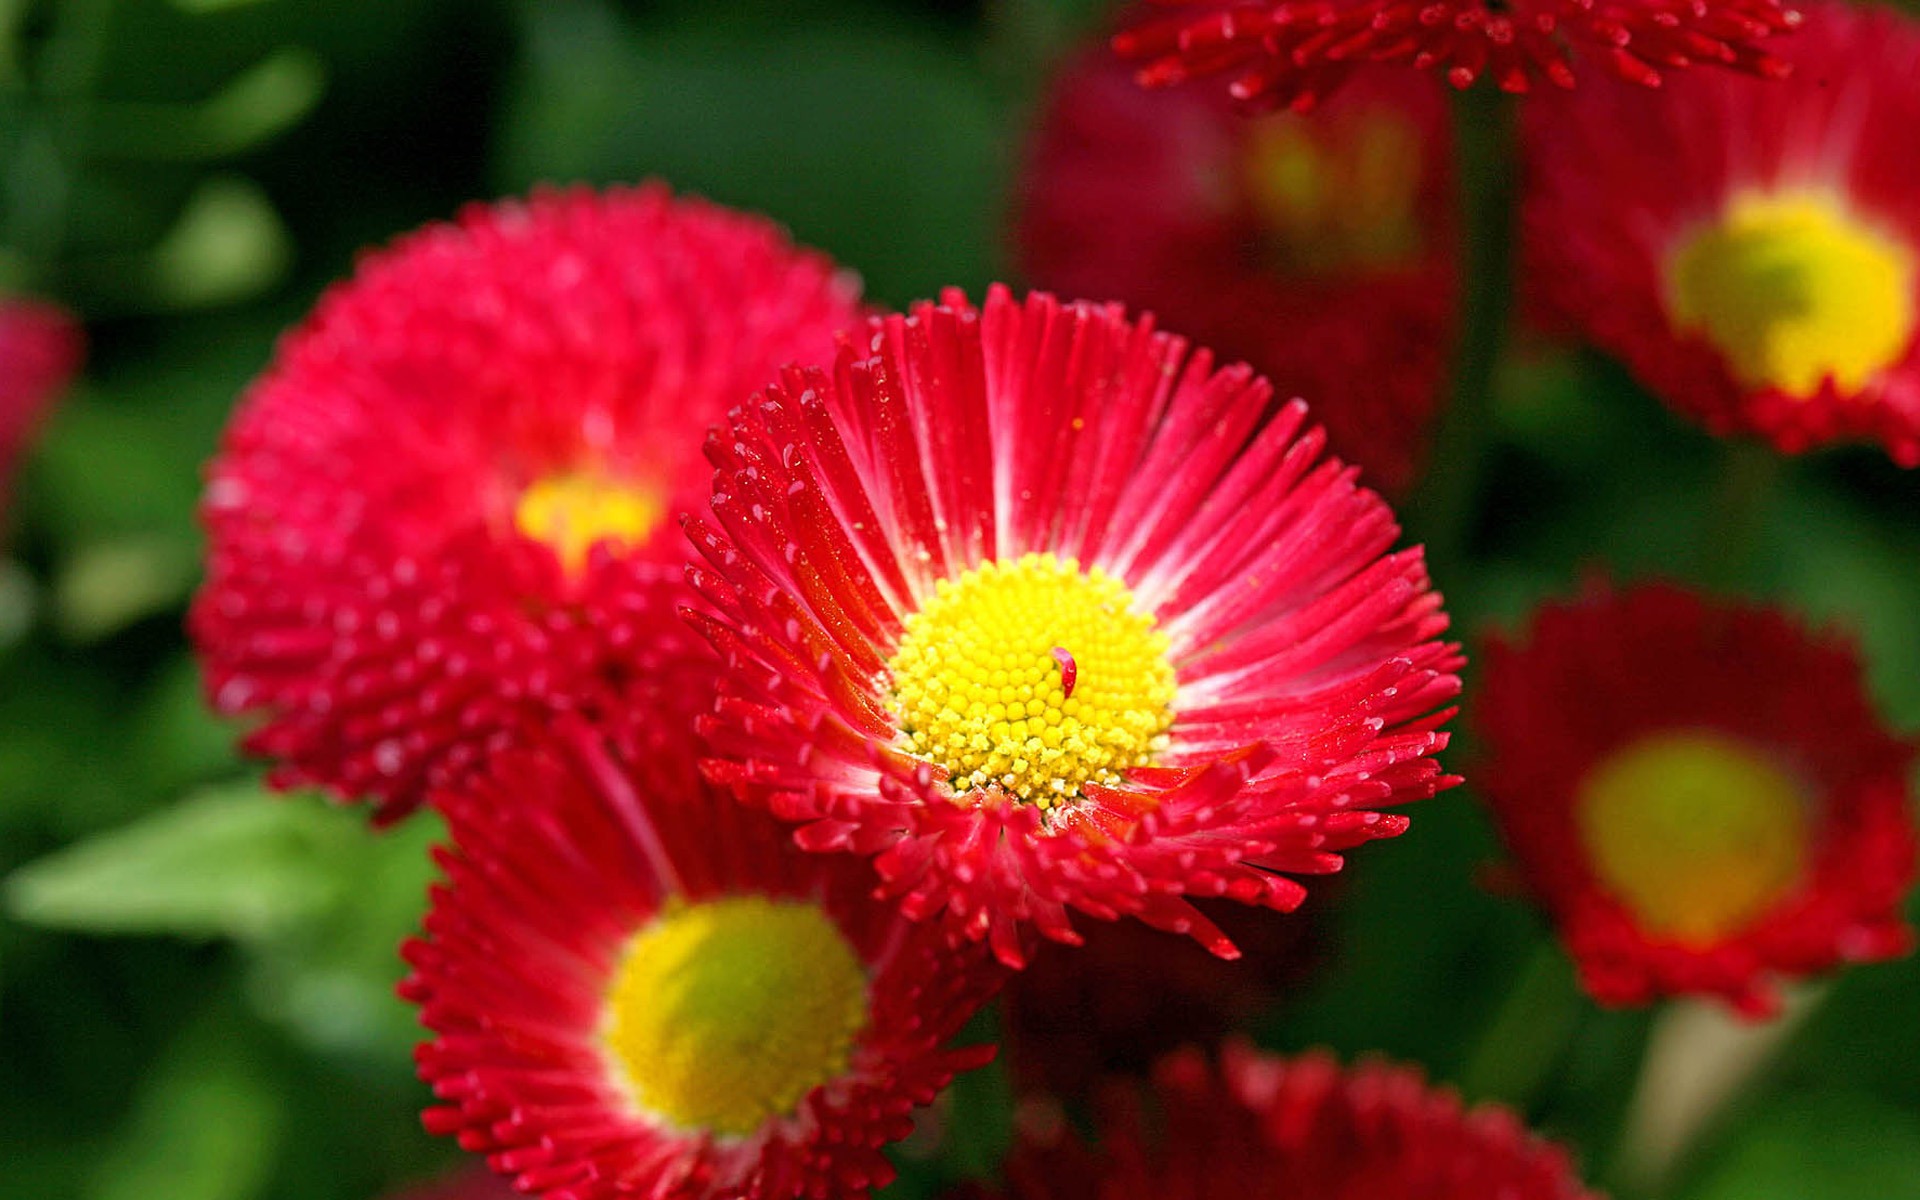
x,y
1033,676
1697,833
1793,289
726,1013
574,511
1336,202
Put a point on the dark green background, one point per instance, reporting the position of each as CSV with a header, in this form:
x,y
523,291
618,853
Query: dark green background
x,y
195,981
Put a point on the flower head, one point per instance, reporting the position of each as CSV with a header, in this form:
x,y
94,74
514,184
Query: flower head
x,y
1300,1128
40,349
1750,250
638,988
1700,795
1320,249
445,513
1293,53
1046,614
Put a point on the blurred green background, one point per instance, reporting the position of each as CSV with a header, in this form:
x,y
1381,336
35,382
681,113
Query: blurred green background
x,y
196,980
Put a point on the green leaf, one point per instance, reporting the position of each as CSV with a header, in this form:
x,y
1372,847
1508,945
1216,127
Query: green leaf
x,y
1837,564
106,587
206,1125
882,149
18,600
11,13
233,862
228,244
1827,1147
332,983
259,105
209,6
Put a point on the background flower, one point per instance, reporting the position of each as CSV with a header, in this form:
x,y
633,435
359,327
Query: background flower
x,y
1303,1127
1295,54
1129,994
40,349
445,514
1321,249
1750,249
1700,794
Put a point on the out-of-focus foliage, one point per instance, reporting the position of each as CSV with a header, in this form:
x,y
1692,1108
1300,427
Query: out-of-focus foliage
x,y
196,978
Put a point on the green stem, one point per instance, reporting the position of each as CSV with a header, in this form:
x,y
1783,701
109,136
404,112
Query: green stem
x,y
1518,1048
1749,473
1448,502
982,1104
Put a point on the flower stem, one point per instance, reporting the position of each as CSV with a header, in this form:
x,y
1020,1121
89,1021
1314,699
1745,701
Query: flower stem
x,y
1447,504
1527,1035
1698,1059
1749,473
982,1103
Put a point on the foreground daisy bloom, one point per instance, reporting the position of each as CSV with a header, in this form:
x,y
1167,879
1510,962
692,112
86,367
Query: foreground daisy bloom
x,y
1319,249
1266,1128
445,512
1700,794
1292,54
1045,614
1750,250
638,988
40,349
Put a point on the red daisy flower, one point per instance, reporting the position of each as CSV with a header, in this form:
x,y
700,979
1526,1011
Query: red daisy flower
x,y
638,988
1301,1128
1047,614
1751,251
442,515
1129,995
1699,793
1320,250
1295,52
40,349
474,1184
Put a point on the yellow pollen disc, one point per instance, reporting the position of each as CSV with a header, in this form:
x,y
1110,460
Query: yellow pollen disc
x,y
1332,201
1697,833
980,691
574,511
726,1013
1792,289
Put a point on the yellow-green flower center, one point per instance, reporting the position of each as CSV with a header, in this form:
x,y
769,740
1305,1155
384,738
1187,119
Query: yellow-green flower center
x,y
1035,677
1698,834
726,1013
573,511
1792,289
1335,199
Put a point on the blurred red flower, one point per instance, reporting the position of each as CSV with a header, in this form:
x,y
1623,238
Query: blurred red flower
x,y
1302,1128
1699,793
1295,53
1130,994
40,350
446,512
1750,250
1320,249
